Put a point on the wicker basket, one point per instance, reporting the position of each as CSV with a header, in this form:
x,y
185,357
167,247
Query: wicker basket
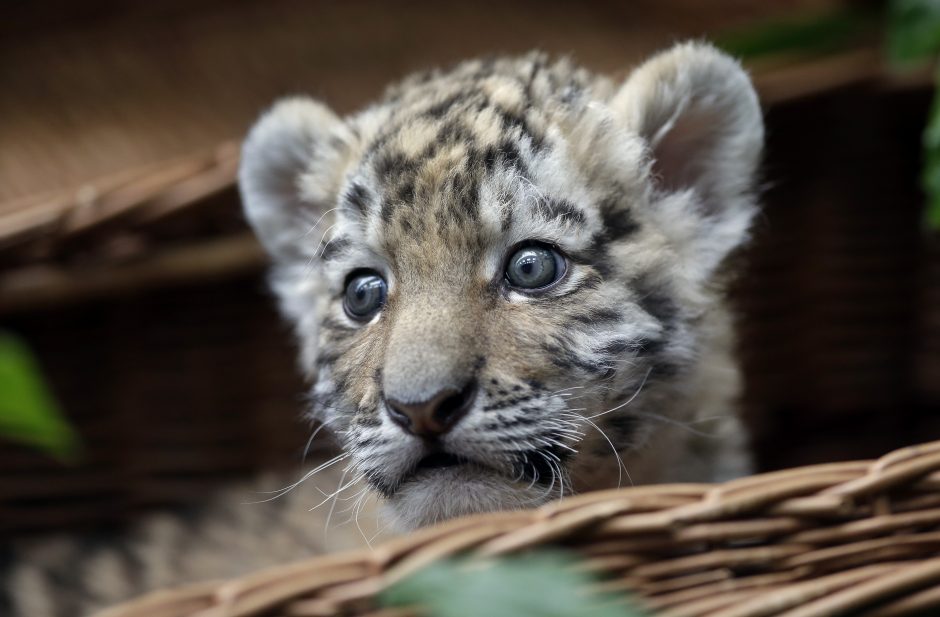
x,y
855,537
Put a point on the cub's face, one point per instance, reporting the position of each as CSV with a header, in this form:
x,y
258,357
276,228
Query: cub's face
x,y
497,273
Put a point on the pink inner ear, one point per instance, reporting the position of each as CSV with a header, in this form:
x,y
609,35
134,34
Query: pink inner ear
x,y
684,153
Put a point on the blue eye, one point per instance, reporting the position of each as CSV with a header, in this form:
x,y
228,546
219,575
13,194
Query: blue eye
x,y
365,295
534,267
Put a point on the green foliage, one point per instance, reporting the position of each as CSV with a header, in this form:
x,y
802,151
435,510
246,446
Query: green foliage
x,y
28,413
913,30
914,36
814,34
930,178
535,585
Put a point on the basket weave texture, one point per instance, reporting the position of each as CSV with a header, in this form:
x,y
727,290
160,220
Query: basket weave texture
x,y
854,537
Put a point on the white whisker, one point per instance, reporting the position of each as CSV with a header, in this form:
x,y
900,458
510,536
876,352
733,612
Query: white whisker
x,y
329,515
283,491
629,400
683,425
316,432
339,490
356,511
621,469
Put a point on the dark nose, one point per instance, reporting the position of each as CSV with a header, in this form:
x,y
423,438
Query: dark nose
x,y
436,415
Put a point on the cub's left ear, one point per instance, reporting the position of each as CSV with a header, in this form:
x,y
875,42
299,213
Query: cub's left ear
x,y
698,114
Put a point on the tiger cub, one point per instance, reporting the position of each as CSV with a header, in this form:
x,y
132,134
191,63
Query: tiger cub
x,y
507,278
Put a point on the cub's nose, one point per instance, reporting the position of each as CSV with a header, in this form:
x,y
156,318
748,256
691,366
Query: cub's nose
x,y
434,416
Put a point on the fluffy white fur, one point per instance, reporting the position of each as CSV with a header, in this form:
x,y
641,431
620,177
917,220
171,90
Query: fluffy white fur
x,y
697,112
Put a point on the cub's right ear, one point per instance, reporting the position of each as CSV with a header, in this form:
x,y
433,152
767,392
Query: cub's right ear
x,y
291,167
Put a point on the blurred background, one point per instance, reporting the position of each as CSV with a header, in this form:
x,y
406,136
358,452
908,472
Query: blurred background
x,y
141,358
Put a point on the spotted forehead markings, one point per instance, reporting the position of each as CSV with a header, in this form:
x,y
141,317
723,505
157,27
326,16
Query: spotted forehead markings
x,y
467,115
455,109
357,199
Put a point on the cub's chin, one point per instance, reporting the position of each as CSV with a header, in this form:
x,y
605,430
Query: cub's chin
x,y
433,495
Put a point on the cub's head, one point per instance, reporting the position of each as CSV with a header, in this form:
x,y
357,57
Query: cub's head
x,y
500,275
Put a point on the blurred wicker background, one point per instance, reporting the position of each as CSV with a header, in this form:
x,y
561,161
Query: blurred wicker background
x,y
126,266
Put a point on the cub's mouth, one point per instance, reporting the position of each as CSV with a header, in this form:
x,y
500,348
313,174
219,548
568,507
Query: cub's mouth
x,y
442,486
536,470
440,463
440,460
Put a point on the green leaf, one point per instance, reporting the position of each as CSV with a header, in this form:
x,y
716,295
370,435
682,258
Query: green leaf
x,y
930,176
535,585
913,30
930,181
932,214
28,413
811,34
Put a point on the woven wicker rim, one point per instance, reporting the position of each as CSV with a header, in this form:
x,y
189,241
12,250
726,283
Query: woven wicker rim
x,y
819,540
